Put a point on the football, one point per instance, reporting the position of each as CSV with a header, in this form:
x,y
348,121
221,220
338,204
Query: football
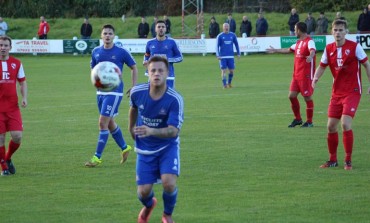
x,y
106,76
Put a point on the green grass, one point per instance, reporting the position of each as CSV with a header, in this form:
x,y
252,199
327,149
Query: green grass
x,y
62,28
239,161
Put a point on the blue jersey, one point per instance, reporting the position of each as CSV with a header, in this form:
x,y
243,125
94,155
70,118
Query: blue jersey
x,y
225,45
117,55
167,48
168,110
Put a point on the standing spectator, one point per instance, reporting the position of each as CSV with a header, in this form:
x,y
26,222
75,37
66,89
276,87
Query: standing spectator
x,y
362,23
311,24
303,70
143,28
322,24
293,19
164,46
245,27
338,15
152,28
168,25
261,25
43,28
156,116
214,28
108,102
3,27
343,57
10,114
231,23
225,53
86,29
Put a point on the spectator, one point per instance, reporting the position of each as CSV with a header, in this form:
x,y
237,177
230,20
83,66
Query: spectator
x,y
168,25
322,24
338,15
86,29
143,28
43,28
261,25
231,22
311,24
245,27
152,28
362,23
3,27
293,19
214,28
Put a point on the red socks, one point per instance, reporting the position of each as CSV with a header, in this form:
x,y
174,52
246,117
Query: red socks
x,y
348,144
333,145
2,158
295,108
309,110
12,148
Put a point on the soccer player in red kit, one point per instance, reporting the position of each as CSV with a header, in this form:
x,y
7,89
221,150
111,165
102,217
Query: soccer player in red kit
x,y
10,115
304,67
344,58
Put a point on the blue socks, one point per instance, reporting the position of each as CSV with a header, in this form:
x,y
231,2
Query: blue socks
x,y
230,78
102,141
118,137
148,201
169,200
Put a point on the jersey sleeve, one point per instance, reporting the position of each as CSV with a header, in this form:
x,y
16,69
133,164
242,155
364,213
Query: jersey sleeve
x,y
177,55
21,76
176,114
311,45
292,47
324,58
360,54
236,45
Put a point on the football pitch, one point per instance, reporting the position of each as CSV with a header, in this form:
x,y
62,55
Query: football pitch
x,y
239,161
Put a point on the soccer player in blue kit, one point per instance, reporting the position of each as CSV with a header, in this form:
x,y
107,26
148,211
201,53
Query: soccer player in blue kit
x,y
164,46
225,42
155,119
108,102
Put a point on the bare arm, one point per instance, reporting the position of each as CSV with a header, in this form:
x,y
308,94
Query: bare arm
x,y
367,68
273,50
133,79
318,73
24,93
311,56
145,131
132,117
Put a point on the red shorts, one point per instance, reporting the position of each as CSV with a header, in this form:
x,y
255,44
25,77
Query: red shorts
x,y
10,121
346,105
302,86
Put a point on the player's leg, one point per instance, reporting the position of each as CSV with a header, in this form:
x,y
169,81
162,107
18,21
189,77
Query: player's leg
x,y
4,167
147,174
350,105
170,170
307,92
294,103
223,68
231,66
15,128
117,135
106,110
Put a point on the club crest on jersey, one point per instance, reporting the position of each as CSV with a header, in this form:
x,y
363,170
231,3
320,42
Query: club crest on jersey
x,y
13,65
141,107
162,111
347,51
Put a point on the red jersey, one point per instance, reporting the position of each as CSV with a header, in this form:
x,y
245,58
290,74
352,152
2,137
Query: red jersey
x,y
11,72
43,28
344,63
301,50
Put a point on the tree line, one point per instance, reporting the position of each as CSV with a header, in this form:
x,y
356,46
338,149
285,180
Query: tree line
x,y
117,8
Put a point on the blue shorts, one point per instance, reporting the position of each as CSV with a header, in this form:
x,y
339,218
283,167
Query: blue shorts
x,y
227,63
149,168
108,104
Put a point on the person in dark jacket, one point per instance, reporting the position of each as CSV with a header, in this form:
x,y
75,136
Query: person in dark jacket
x,y
245,27
293,19
363,25
86,29
214,28
152,29
231,22
261,25
143,28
